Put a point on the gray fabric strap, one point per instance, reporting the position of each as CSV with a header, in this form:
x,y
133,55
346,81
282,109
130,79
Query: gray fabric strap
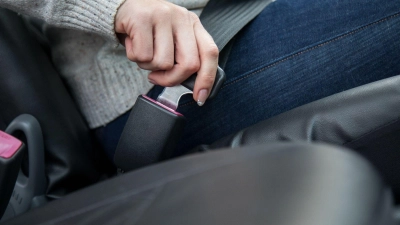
x,y
223,19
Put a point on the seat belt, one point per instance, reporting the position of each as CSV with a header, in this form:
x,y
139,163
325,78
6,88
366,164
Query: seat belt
x,y
223,19
153,127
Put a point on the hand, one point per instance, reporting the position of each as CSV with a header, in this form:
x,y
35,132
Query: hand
x,y
171,42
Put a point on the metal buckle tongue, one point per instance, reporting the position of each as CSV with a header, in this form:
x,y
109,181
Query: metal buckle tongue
x,y
171,95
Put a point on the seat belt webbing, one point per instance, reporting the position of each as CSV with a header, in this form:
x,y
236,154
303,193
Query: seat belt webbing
x,y
223,19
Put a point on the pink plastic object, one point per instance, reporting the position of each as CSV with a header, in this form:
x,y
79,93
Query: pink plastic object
x,y
9,145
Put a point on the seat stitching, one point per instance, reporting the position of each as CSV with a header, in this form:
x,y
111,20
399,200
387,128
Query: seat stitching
x,y
372,131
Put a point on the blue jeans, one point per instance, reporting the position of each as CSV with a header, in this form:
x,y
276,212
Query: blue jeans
x,y
293,53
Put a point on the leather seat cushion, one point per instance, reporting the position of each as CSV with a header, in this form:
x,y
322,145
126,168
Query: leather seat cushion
x,y
292,183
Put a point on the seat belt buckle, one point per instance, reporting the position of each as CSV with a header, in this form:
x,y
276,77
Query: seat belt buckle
x,y
150,134
171,95
154,127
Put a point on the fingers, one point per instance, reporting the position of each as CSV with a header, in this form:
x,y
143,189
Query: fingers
x,y
140,46
170,41
187,60
163,58
208,52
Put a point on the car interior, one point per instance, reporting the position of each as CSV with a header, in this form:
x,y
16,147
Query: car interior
x,y
332,161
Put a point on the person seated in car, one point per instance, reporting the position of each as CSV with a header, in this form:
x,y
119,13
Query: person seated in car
x,y
293,53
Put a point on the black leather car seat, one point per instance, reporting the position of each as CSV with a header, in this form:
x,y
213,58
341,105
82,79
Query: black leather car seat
x,y
276,184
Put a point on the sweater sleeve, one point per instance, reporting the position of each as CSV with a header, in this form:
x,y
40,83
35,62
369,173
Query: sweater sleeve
x,y
95,16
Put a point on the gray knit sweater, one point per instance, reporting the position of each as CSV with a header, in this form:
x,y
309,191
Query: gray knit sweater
x,y
105,84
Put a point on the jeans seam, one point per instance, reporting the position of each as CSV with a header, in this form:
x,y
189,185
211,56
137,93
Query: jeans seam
x,y
314,47
308,49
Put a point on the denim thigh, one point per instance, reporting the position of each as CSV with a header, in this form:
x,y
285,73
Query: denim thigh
x,y
293,53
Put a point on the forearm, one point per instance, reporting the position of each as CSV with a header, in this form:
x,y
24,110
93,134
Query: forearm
x,y
96,16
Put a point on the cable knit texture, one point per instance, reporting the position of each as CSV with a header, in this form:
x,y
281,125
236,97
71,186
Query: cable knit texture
x,y
104,83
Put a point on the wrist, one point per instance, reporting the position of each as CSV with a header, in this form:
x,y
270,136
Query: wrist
x,y
92,16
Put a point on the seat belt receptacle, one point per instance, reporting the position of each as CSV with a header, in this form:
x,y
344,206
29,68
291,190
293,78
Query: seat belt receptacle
x,y
11,154
153,131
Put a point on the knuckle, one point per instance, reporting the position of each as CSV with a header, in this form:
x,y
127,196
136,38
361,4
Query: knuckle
x,y
145,15
168,83
164,12
213,51
164,65
194,17
182,12
144,66
182,9
144,57
208,79
192,66
131,56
